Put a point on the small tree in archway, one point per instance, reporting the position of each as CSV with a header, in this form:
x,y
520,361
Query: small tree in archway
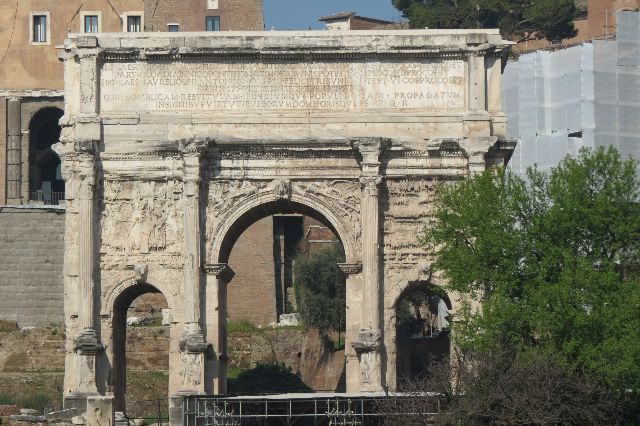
x,y
320,289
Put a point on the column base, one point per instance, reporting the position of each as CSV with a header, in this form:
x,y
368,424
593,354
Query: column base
x,y
86,342
192,341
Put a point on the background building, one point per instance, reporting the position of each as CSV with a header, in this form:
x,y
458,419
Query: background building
x,y
586,95
352,21
596,20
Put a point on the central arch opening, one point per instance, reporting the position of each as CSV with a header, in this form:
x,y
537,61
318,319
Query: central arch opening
x,y
278,340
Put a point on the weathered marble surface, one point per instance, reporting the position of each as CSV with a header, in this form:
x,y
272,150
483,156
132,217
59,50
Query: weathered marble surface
x,y
173,143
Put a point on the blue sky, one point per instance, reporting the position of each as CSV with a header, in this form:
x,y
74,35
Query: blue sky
x,y
302,14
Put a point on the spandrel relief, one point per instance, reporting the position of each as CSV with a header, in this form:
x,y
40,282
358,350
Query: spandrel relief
x,y
141,217
225,197
408,205
343,198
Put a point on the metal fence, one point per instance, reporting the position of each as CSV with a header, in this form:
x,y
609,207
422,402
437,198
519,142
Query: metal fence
x,y
48,198
286,410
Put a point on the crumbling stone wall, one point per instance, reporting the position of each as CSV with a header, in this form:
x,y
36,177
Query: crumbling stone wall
x,y
31,258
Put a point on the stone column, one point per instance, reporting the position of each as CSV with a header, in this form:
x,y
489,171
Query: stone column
x,y
81,365
14,150
354,299
86,343
219,275
192,342
368,347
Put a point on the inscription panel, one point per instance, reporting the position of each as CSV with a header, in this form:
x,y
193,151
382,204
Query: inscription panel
x,y
433,84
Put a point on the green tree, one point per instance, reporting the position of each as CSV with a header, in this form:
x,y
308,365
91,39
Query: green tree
x,y
518,20
554,260
320,289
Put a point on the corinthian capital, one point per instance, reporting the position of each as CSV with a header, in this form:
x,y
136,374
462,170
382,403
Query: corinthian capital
x,y
194,146
371,184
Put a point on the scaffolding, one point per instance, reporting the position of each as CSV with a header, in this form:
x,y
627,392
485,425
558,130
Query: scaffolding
x,y
583,96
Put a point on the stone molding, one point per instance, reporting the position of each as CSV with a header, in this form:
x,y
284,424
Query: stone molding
x,y
220,270
350,268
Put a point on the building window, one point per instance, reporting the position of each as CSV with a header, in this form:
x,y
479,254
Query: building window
x,y
173,28
212,4
213,23
91,24
39,29
134,24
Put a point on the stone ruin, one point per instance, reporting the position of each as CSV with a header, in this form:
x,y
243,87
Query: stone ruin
x,y
172,144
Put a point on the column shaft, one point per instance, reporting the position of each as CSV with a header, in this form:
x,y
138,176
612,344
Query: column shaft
x,y
86,258
14,150
192,253
370,252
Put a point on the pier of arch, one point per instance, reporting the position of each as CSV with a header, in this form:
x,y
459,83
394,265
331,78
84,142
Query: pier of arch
x,y
172,144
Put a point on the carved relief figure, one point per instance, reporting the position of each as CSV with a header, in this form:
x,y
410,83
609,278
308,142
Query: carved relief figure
x,y
408,207
141,217
190,369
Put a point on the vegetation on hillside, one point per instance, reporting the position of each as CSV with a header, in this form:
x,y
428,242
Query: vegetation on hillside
x,y
554,260
518,20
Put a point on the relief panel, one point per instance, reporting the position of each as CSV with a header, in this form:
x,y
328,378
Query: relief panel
x,y
406,208
142,217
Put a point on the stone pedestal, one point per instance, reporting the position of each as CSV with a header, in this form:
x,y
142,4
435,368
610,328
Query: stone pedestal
x,y
176,410
100,411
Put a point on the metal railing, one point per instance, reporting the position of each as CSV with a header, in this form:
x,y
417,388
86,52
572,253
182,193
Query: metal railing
x,y
289,409
49,198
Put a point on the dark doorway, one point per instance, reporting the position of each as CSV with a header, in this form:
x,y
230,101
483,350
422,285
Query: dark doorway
x,y
45,177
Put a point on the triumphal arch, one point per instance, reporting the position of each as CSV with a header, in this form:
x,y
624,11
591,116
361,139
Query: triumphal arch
x,y
172,144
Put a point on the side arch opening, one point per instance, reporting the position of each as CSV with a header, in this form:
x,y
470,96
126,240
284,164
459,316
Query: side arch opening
x,y
423,340
140,362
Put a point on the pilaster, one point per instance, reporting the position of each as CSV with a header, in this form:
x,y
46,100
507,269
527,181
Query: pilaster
x,y
354,298
477,82
218,277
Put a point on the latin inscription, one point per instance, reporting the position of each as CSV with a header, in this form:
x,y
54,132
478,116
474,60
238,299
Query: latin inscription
x,y
437,85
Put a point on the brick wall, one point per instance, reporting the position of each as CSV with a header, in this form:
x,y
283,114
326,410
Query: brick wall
x,y
31,259
251,295
235,15
602,15
357,23
241,15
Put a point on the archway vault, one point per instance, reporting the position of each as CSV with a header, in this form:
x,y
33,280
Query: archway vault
x,y
311,199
